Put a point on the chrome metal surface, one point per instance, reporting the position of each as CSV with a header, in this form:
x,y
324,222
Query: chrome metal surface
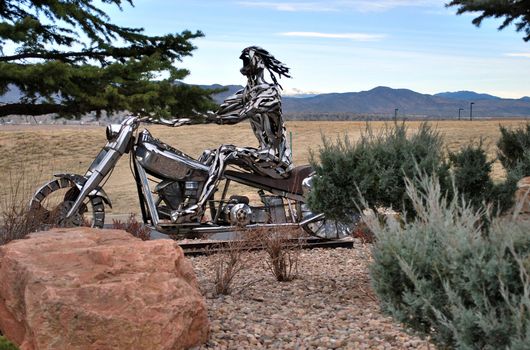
x,y
311,218
52,201
112,131
240,214
275,207
260,103
208,247
215,229
148,197
329,229
318,225
183,186
168,164
99,169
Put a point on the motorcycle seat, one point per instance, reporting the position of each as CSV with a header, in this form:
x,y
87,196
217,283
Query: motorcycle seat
x,y
292,184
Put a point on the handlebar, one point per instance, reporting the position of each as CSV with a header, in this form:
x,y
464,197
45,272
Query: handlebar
x,y
176,122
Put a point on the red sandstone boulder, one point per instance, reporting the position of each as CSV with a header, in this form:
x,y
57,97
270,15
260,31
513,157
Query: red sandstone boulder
x,y
85,288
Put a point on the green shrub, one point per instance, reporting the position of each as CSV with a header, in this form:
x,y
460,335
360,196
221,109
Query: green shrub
x,y
514,149
6,344
444,276
373,168
471,171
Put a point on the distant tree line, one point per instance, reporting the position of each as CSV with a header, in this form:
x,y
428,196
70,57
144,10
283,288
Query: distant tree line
x,y
345,116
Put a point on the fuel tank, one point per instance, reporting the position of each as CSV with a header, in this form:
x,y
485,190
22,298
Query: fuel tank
x,y
164,161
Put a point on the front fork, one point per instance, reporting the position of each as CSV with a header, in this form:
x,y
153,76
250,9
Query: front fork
x,y
147,203
96,175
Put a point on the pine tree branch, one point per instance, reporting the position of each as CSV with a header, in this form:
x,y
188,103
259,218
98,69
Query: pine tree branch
x,y
173,47
82,14
37,109
61,56
70,56
84,71
510,10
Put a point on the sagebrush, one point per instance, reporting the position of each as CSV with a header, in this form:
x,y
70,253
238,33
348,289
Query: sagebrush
x,y
448,276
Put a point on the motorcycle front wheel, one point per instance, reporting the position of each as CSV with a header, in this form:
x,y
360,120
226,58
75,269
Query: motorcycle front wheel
x,y
53,200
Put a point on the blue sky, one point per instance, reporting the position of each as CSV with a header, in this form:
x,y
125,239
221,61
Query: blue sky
x,y
346,45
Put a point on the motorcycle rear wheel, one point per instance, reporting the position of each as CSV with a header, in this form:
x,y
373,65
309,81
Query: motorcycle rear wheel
x,y
331,229
53,200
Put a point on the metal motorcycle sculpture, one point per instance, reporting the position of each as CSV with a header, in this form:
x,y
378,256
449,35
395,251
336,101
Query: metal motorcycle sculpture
x,y
178,182
177,193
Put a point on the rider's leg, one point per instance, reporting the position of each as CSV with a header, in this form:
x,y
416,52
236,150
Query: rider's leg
x,y
218,160
257,161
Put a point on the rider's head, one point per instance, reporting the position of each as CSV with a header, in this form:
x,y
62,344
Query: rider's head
x,y
255,60
252,62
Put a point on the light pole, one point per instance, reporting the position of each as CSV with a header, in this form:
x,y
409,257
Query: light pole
x,y
459,110
471,110
395,114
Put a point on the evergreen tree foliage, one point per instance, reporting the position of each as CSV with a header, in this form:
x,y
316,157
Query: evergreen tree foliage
x,y
69,59
444,276
373,169
471,172
514,149
512,11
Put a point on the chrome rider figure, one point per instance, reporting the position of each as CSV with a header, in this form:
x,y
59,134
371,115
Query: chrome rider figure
x,y
260,102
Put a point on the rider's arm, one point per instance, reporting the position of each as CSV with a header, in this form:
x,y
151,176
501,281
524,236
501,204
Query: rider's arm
x,y
229,111
260,99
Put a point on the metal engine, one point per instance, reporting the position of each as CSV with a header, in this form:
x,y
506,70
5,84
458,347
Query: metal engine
x,y
238,212
173,195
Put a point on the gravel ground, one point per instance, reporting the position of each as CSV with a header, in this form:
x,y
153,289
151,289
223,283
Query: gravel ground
x,y
330,305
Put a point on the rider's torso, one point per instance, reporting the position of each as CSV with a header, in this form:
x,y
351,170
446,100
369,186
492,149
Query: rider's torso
x,y
266,120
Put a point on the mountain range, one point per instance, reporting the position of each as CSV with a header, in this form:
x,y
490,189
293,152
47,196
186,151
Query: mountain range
x,y
382,102
379,102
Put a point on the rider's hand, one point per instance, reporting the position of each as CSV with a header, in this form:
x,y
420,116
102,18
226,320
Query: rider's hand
x,y
181,121
210,117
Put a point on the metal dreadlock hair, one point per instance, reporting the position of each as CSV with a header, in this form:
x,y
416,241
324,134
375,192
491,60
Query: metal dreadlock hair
x,y
270,62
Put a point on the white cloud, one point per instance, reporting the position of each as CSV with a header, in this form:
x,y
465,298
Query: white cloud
x,y
350,36
519,54
384,5
340,5
291,6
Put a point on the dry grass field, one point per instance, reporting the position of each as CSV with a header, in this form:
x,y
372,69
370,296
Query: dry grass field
x,y
32,154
